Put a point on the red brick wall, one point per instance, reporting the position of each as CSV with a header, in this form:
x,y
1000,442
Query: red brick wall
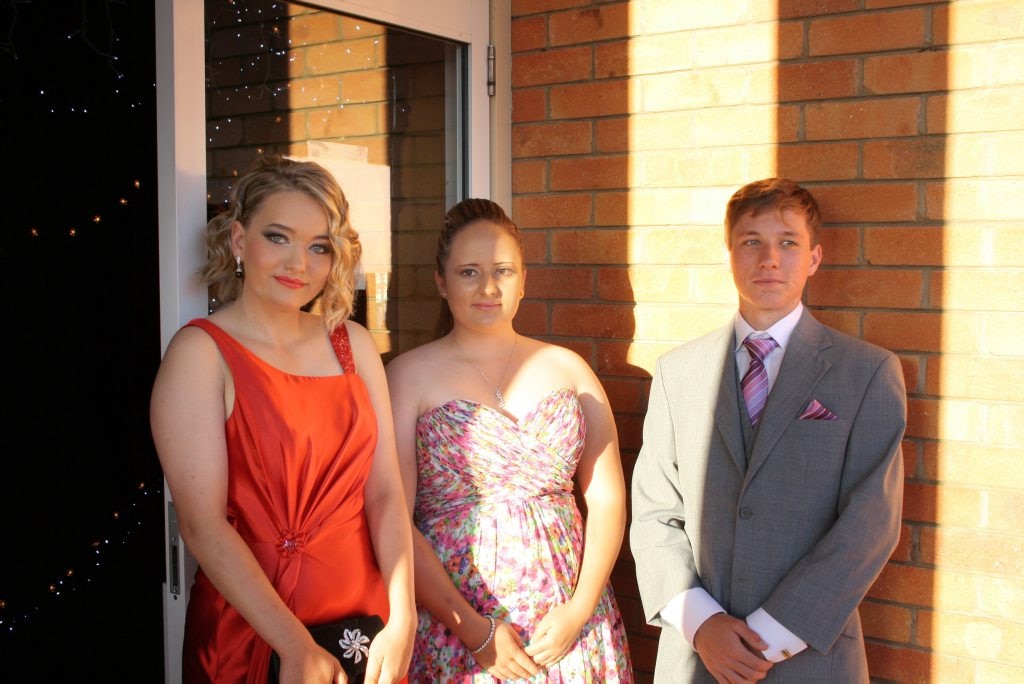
x,y
632,124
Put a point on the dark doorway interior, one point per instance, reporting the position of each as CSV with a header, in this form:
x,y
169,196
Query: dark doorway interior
x,y
80,486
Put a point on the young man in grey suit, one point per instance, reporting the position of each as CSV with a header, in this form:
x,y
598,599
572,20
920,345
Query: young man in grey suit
x,y
767,494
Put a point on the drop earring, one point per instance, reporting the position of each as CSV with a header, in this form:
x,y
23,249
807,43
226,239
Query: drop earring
x,y
238,267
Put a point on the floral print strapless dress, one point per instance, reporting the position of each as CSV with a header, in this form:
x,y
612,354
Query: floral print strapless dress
x,y
495,500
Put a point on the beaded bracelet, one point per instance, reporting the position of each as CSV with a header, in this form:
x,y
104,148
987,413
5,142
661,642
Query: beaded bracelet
x,y
490,635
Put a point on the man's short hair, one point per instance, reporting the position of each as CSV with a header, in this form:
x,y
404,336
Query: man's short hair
x,y
772,194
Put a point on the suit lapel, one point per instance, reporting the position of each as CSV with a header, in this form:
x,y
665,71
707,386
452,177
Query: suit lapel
x,y
727,415
806,362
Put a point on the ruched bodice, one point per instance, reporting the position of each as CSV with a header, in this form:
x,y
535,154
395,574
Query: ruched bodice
x,y
495,500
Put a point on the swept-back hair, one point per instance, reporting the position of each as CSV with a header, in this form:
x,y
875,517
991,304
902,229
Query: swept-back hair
x,y
772,194
459,217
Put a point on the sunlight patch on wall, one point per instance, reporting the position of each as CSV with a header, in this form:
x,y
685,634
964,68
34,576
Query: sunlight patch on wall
x,y
704,119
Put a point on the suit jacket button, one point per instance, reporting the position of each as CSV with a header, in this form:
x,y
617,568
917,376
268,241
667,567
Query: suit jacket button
x,y
745,513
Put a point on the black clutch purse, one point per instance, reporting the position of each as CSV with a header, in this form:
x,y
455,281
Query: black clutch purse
x,y
348,640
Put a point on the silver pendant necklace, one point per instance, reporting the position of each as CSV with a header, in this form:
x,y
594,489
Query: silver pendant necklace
x,y
498,396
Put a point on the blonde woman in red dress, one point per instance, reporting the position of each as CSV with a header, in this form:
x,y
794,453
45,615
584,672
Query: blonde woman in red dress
x,y
274,430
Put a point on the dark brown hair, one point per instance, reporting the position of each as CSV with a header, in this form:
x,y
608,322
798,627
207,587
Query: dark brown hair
x,y
460,216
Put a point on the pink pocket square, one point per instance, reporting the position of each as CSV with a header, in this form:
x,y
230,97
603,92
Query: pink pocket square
x,y
815,411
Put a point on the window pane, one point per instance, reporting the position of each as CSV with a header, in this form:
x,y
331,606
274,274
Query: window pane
x,y
381,107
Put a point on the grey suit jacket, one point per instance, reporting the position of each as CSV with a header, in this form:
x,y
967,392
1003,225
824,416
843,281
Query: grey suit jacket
x,y
804,528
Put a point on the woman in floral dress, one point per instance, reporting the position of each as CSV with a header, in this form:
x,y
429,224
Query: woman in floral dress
x,y
494,429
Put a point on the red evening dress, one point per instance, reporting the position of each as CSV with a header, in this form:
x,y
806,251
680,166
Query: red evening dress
x,y
299,454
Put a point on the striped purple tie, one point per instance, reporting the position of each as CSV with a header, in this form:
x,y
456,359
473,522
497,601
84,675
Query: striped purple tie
x,y
755,381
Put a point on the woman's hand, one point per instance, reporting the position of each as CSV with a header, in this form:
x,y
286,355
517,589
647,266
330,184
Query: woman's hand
x,y
556,633
390,653
312,664
504,657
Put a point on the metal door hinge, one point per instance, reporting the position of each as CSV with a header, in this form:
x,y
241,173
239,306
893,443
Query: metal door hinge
x,y
490,70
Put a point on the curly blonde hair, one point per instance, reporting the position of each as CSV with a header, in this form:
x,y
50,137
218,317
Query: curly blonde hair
x,y
269,175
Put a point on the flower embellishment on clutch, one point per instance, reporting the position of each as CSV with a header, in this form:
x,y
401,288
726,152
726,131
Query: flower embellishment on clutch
x,y
355,645
347,639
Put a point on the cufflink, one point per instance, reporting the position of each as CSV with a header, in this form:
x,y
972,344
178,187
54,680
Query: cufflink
x,y
786,654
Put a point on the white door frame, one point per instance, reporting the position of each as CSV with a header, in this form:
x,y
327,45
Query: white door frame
x,y
181,165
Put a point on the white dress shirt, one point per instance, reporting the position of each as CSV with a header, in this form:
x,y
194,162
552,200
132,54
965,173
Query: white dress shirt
x,y
688,610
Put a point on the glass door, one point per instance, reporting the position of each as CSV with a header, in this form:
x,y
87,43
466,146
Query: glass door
x,y
390,97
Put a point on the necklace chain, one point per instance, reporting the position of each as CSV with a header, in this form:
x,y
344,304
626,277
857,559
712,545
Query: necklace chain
x,y
498,396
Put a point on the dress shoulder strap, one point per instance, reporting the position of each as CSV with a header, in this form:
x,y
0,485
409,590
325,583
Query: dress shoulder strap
x,y
223,340
231,349
343,348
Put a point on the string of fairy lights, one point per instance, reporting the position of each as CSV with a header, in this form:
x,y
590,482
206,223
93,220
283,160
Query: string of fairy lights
x,y
53,101
262,72
94,218
56,101
84,567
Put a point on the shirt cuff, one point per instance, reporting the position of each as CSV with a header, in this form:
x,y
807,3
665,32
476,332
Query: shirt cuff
x,y
688,610
782,643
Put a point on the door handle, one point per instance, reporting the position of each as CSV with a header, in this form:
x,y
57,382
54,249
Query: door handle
x,y
173,551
